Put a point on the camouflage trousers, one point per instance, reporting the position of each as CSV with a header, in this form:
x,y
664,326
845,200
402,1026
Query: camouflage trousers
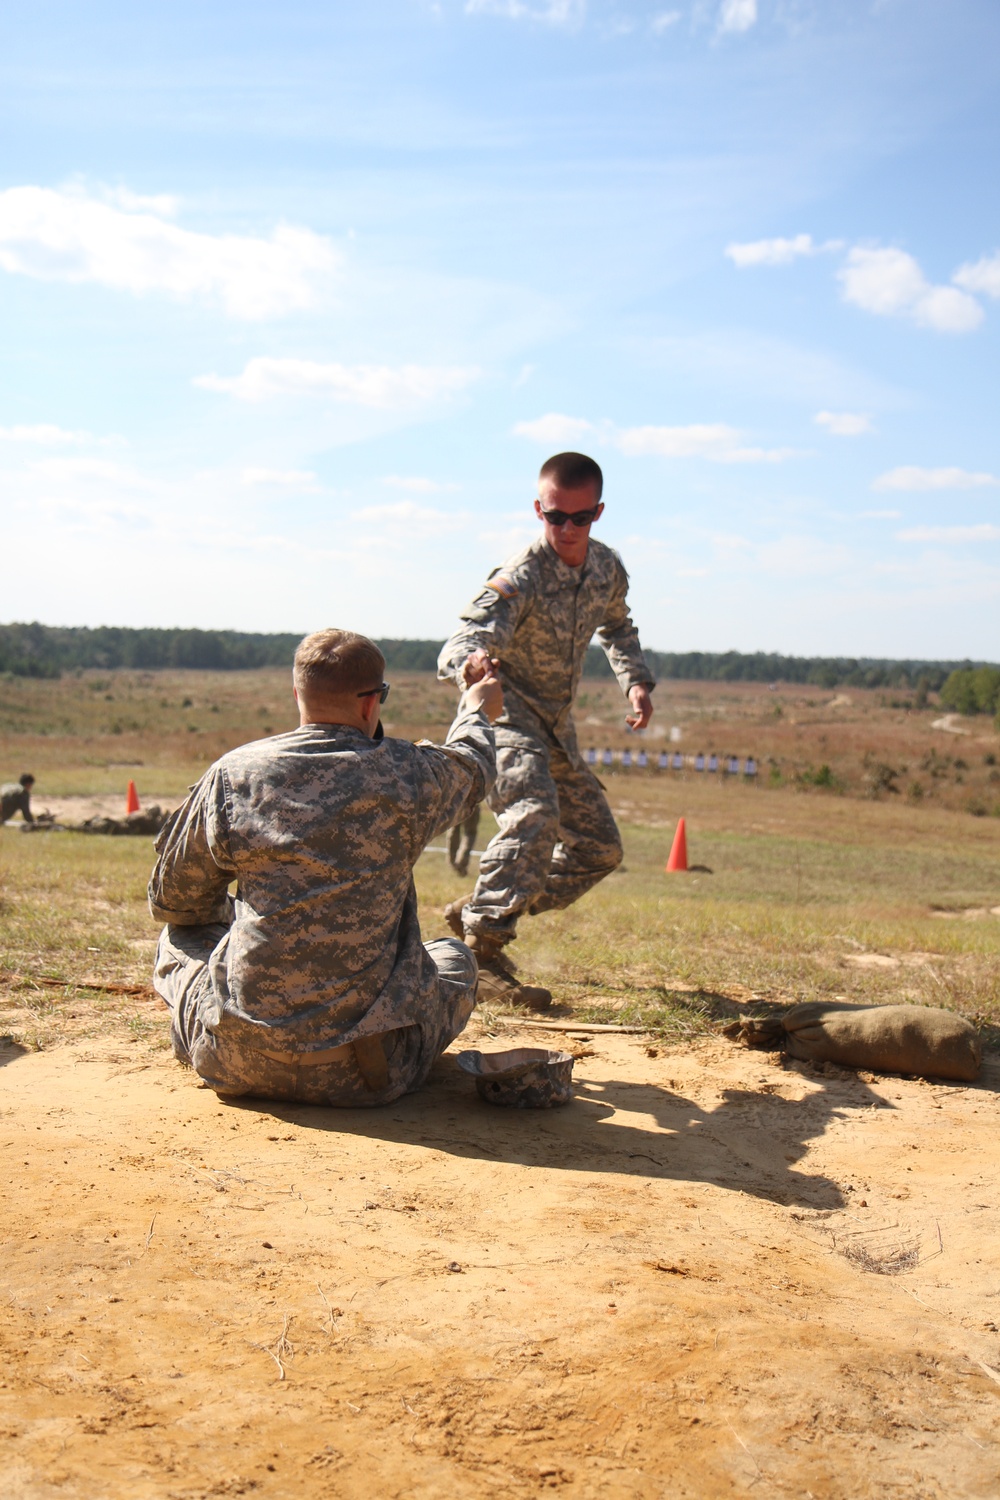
x,y
462,841
373,1070
556,838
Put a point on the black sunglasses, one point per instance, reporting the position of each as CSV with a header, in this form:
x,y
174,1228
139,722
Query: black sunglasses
x,y
578,517
383,692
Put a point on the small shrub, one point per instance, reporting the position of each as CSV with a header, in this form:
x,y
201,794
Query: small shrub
x,y
880,778
823,778
915,792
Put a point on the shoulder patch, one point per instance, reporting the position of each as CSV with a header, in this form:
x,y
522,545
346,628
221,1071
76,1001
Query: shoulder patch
x,y
502,585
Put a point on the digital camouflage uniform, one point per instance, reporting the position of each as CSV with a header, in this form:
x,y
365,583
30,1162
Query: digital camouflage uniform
x,y
314,984
15,798
556,834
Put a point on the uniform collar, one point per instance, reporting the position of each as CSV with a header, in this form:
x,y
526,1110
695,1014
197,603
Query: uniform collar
x,y
339,729
562,570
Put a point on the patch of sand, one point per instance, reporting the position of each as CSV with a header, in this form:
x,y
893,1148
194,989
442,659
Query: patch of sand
x,y
965,913
950,723
658,1290
77,809
915,960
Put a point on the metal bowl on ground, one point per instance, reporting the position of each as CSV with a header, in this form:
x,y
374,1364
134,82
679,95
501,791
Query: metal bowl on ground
x,y
526,1078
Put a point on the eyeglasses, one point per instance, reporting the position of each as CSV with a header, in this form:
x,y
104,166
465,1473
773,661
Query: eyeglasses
x,y
578,517
383,692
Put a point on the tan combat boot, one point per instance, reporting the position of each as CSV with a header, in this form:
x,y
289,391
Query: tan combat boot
x,y
497,982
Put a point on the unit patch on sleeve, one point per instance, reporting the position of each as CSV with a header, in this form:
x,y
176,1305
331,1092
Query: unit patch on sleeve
x,y
501,584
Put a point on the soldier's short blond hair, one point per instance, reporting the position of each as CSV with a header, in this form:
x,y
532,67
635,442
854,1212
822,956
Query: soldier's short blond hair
x,y
337,662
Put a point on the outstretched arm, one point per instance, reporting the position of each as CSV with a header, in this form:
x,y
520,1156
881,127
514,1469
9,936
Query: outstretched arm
x,y
488,624
620,641
460,772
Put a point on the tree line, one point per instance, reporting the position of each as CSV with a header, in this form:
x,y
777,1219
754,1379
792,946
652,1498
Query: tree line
x,y
35,650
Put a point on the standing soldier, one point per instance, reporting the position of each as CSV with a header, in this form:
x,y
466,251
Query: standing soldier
x,y
534,620
15,796
462,841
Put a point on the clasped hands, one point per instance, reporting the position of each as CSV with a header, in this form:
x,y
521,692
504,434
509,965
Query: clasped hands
x,y
483,690
479,675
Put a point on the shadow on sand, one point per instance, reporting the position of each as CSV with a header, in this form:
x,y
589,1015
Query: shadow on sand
x,y
749,1143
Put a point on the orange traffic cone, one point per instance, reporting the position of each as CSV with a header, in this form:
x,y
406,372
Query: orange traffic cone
x,y
132,800
678,860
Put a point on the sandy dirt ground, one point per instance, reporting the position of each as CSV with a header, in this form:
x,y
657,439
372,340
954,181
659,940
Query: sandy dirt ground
x,y
668,1288
75,809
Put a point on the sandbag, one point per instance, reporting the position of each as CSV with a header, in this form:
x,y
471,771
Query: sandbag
x,y
889,1038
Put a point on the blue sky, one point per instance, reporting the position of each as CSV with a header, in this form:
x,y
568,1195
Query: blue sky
x,y
297,298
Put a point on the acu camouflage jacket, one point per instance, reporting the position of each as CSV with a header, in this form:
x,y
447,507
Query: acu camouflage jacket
x,y
320,828
538,615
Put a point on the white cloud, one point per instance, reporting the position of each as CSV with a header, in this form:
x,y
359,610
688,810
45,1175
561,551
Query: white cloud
x,y
890,283
383,386
165,205
981,533
880,515
910,477
737,15
776,252
981,276
555,12
406,518
713,440
553,430
417,485
104,470
46,435
66,236
844,423
299,479
663,22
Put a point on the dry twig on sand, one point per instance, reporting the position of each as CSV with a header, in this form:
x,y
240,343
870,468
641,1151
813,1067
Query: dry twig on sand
x,y
889,1260
113,986
581,1026
282,1349
332,1313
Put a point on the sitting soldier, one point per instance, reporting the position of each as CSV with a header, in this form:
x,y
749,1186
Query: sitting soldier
x,y
313,984
15,796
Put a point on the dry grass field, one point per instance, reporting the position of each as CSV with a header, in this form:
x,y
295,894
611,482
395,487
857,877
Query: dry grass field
x,y
715,1273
